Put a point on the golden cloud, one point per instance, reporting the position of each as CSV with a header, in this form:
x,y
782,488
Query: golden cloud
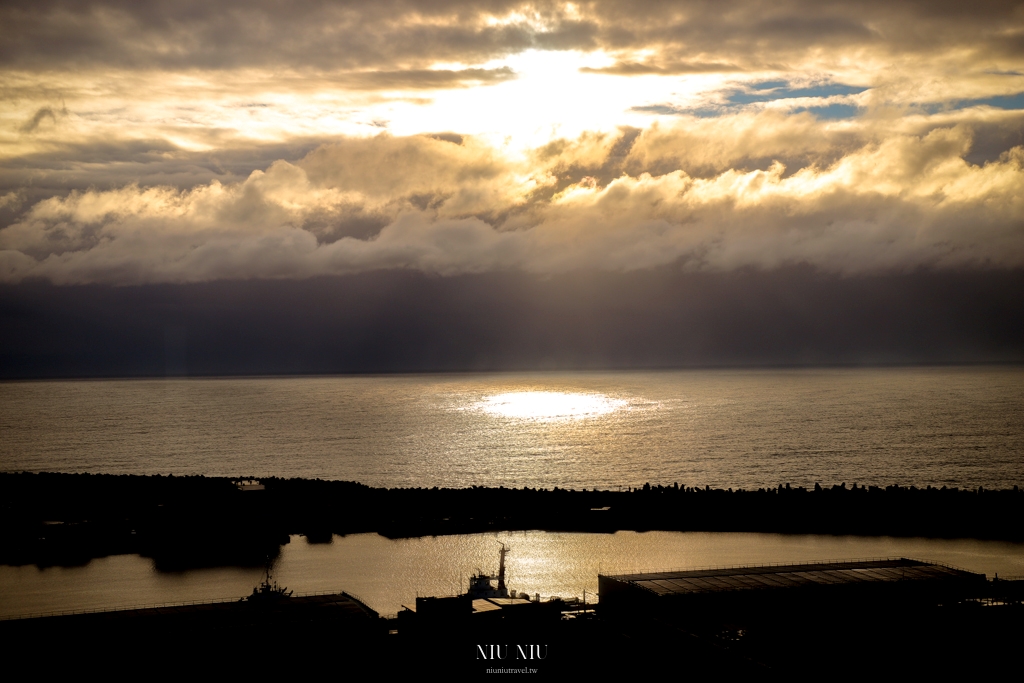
x,y
896,201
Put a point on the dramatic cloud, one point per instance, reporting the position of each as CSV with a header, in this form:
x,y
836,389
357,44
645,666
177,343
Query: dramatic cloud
x,y
333,35
174,142
900,201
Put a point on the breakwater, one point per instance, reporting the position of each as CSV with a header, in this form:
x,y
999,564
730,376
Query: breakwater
x,y
182,522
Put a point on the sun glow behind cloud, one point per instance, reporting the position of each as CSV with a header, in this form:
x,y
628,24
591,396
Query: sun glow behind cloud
x,y
551,97
537,137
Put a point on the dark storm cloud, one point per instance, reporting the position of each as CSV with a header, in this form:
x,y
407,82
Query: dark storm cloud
x,y
756,31
317,34
357,35
401,321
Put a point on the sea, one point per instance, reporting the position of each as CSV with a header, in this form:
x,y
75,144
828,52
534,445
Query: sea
x,y
724,428
938,426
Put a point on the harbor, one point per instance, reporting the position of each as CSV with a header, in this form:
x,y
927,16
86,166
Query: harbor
x,y
740,620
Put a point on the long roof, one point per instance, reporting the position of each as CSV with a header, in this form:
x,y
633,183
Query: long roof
x,y
793,575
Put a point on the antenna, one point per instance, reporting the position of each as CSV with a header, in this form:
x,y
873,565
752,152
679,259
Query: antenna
x,y
501,567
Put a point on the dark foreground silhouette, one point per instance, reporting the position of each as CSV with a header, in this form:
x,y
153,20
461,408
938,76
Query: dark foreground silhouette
x,y
939,621
181,522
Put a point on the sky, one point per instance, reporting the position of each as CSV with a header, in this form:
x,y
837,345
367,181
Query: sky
x,y
157,151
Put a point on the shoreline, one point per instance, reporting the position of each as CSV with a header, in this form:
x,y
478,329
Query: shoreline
x,y
58,519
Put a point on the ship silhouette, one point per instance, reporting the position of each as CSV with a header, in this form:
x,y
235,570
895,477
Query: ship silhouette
x,y
480,585
268,590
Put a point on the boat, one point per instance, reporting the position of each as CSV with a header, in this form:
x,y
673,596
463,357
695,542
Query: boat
x,y
480,585
268,590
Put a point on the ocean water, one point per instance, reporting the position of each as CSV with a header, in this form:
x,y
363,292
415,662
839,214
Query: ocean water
x,y
952,426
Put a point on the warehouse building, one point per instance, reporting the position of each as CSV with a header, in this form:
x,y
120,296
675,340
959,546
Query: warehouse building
x,y
732,592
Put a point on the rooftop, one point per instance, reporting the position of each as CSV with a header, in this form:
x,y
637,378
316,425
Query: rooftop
x,y
695,581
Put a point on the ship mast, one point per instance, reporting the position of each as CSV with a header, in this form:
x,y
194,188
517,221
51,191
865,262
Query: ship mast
x,y
501,567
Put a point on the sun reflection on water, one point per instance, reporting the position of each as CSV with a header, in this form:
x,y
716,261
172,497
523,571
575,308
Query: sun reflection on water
x,y
549,405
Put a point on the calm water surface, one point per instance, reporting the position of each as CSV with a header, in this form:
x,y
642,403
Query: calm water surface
x,y
390,573
724,428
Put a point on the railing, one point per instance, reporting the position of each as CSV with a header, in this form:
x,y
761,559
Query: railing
x,y
358,599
